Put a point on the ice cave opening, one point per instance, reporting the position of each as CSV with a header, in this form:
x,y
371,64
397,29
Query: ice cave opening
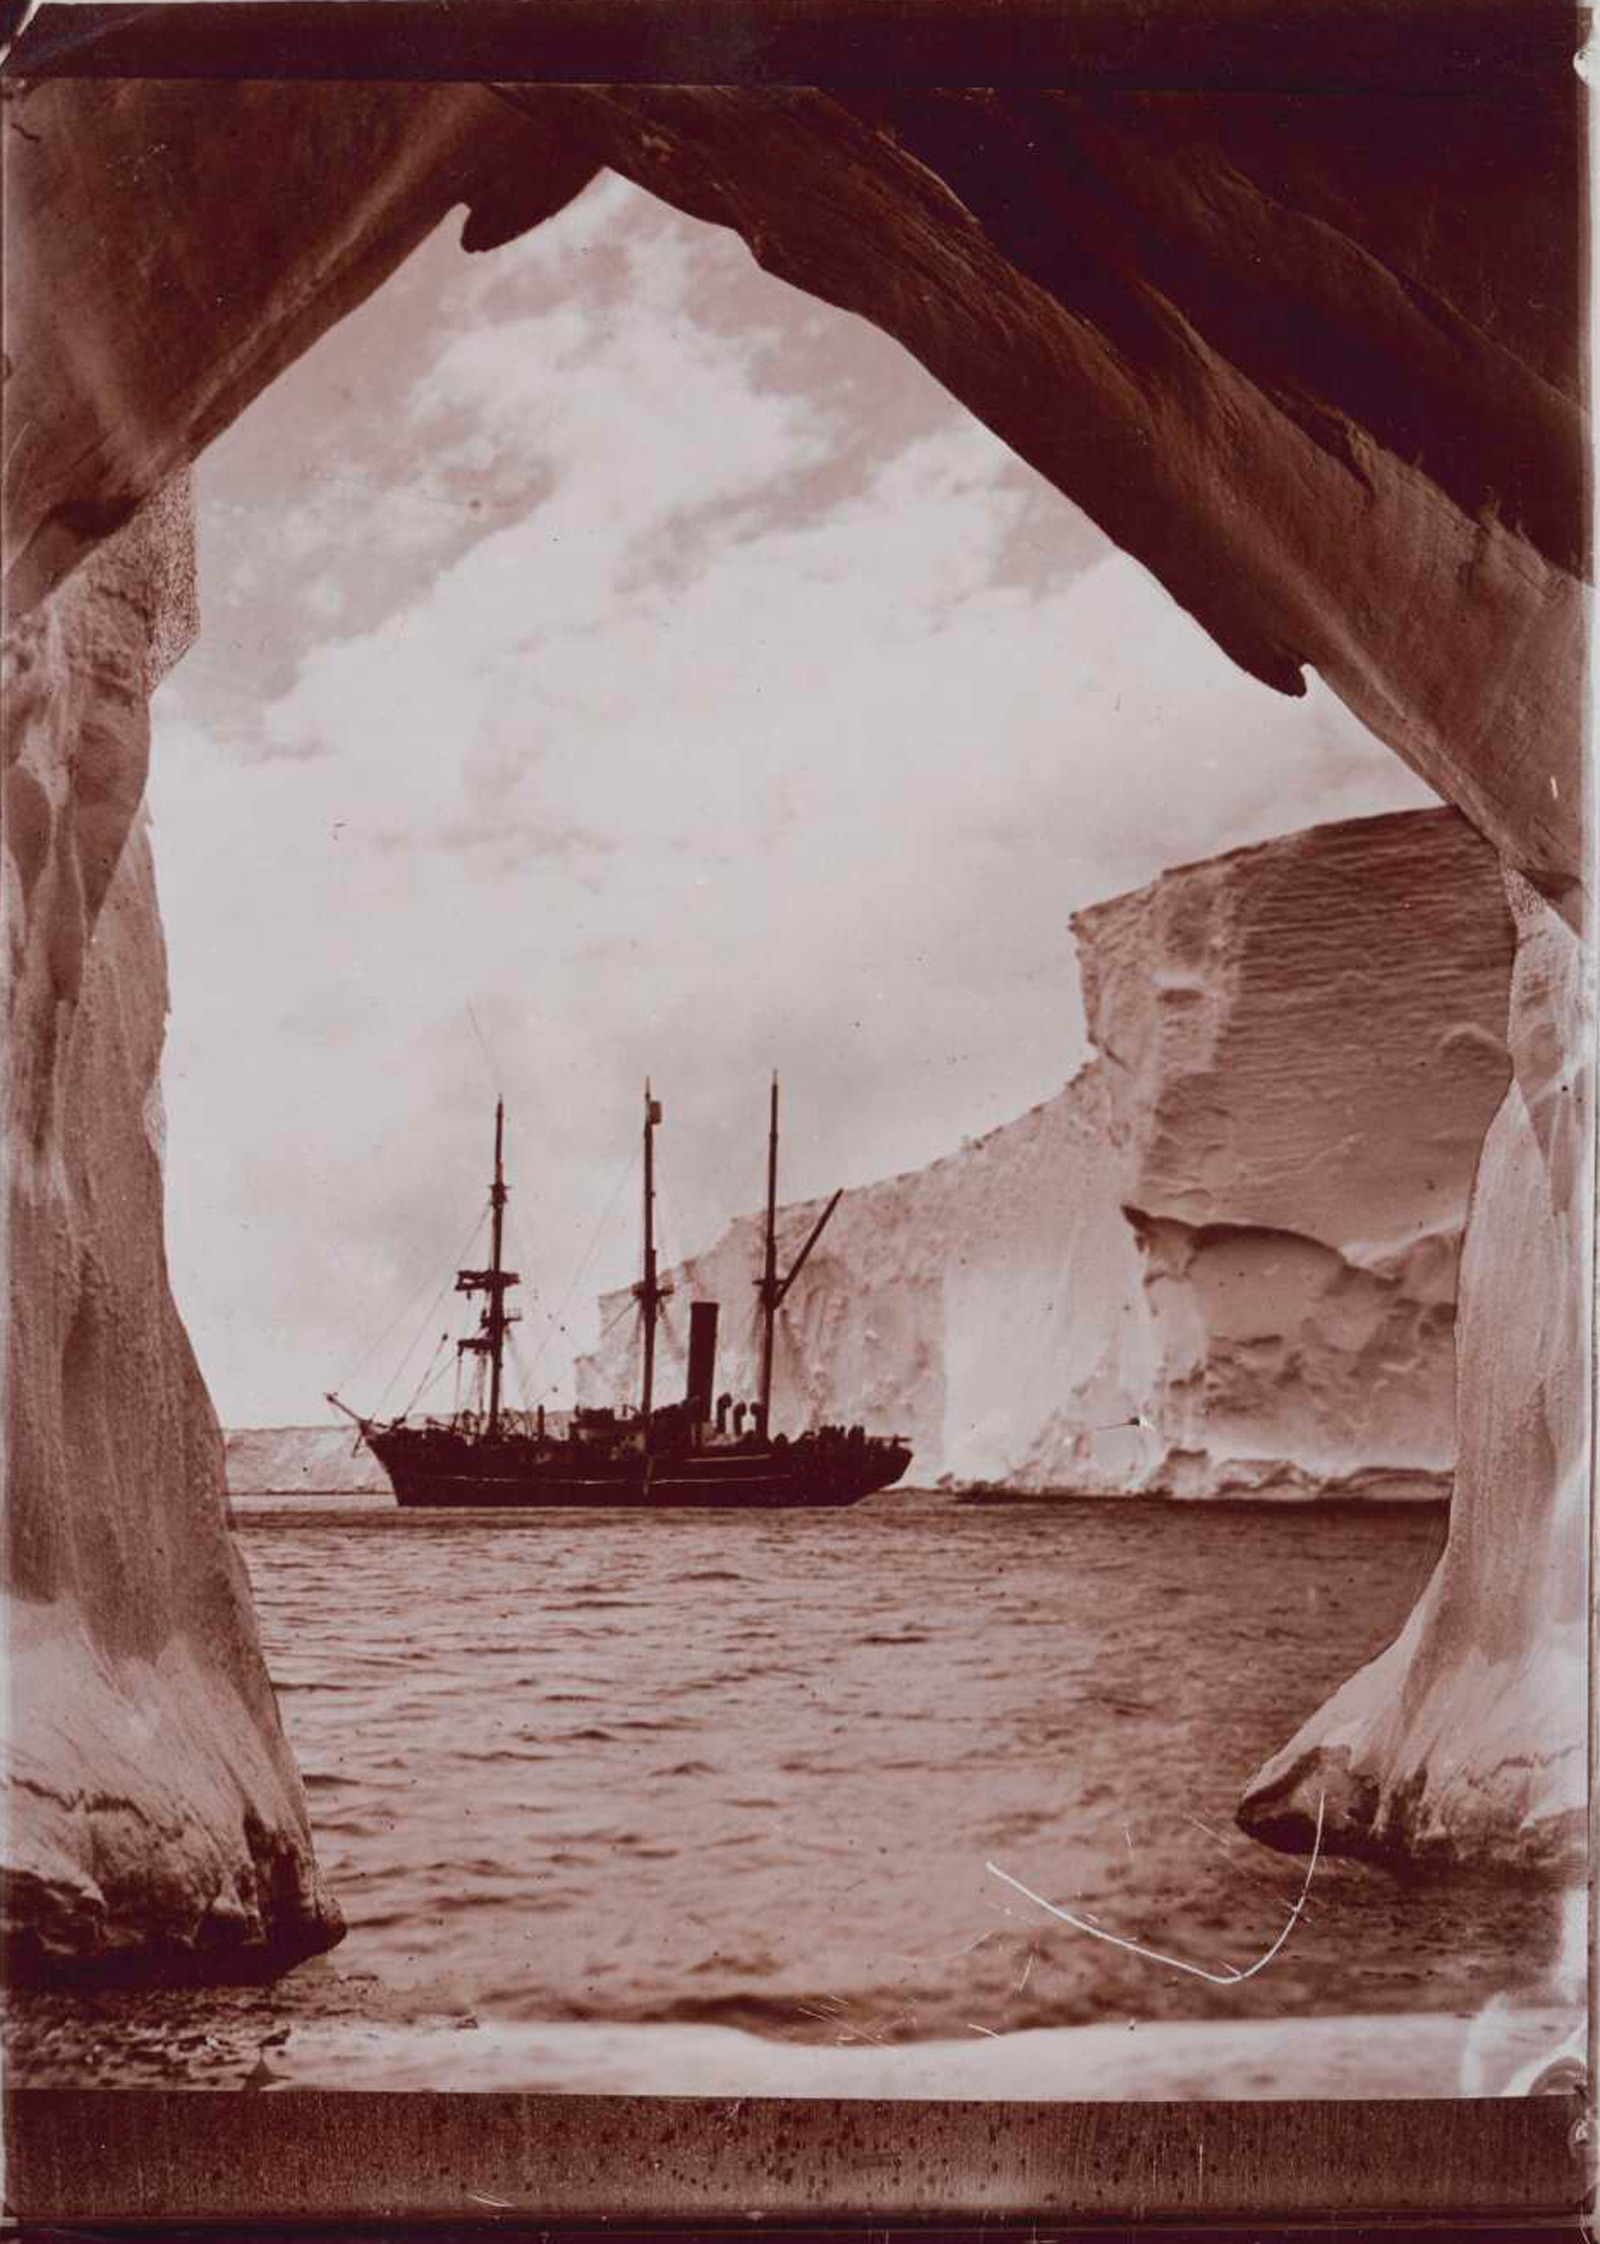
x,y
1250,459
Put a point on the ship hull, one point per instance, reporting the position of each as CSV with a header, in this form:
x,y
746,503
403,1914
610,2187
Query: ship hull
x,y
759,1481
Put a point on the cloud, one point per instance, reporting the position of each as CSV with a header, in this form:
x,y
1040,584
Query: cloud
x,y
786,719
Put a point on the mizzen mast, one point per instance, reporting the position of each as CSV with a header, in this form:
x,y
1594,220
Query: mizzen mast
x,y
649,1292
490,1338
769,1285
768,1281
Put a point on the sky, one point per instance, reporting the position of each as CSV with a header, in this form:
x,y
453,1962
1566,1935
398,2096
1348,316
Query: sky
x,y
614,662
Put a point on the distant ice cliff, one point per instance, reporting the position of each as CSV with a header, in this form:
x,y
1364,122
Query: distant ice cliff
x,y
1223,1260
300,1460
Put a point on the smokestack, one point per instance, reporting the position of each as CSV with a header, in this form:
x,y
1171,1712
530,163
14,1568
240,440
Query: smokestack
x,y
702,1359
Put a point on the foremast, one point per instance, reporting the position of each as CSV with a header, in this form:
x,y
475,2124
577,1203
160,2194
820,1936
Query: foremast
x,y
495,1282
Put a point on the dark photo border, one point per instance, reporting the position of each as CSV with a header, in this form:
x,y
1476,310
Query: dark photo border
x,y
133,2157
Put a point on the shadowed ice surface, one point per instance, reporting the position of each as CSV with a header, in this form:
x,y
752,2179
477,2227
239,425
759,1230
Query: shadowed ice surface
x,y
749,1771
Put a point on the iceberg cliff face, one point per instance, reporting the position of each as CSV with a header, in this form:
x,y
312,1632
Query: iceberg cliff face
x,y
1223,1260
1305,1044
1466,1741
300,1460
154,1816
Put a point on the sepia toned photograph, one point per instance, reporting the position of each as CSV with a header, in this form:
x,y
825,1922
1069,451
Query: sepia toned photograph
x,y
799,1121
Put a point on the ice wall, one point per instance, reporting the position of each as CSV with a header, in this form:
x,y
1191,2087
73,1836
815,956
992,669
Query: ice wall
x,y
1466,1741
300,1460
154,1816
1305,1044
1223,1260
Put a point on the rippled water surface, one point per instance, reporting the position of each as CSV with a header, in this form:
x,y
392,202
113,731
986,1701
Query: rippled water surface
x,y
751,1769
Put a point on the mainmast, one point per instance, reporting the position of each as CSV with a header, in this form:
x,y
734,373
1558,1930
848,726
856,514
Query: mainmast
x,y
490,1338
649,1292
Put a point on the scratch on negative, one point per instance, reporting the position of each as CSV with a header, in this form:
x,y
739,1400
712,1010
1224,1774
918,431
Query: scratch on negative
x,y
1228,1976
14,448
948,1955
1224,1841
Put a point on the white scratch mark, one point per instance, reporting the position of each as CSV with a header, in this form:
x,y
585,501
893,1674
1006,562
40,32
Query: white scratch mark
x,y
479,2199
1023,1981
1229,1976
949,1955
15,447
1209,1829
989,2030
1226,1843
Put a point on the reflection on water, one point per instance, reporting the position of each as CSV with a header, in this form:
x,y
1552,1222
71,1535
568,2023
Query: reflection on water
x,y
749,1769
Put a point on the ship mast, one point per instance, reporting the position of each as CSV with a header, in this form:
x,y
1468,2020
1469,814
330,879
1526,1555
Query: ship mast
x,y
772,1289
490,1338
497,1307
649,1292
769,1269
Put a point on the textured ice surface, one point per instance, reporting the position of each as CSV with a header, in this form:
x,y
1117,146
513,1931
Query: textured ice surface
x,y
1221,1262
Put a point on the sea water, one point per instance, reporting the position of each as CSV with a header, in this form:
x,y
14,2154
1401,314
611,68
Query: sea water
x,y
767,1769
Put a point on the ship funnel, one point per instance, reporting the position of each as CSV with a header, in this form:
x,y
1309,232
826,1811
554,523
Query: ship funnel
x,y
702,1359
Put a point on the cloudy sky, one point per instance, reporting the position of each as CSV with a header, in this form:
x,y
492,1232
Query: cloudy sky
x,y
614,662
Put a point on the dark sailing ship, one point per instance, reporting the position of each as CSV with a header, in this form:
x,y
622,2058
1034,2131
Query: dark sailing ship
x,y
689,1453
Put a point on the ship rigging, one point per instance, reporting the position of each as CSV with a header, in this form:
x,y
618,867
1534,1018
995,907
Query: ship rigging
x,y
688,1453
